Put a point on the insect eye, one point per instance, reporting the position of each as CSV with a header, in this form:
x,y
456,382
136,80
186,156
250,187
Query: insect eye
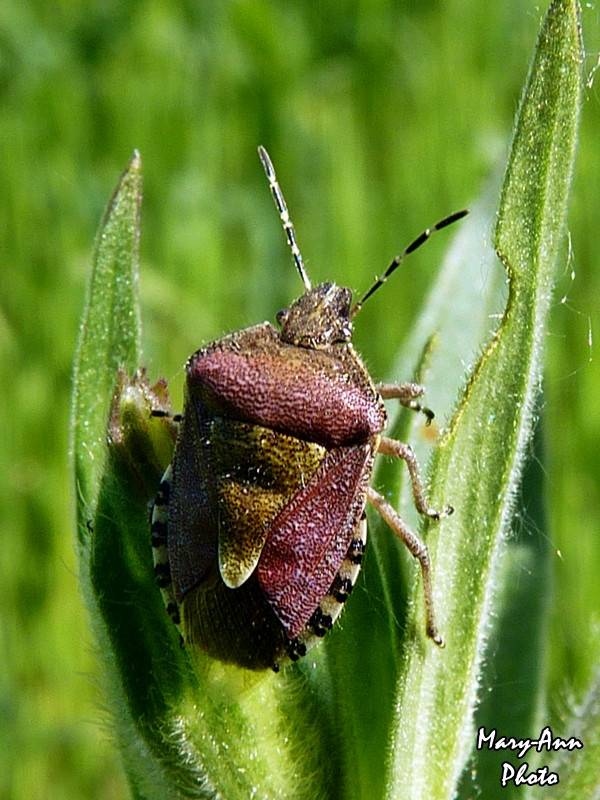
x,y
282,315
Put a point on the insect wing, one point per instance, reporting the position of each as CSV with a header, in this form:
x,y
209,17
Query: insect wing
x,y
310,537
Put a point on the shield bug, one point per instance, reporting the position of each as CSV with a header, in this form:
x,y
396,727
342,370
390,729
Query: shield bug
x,y
259,524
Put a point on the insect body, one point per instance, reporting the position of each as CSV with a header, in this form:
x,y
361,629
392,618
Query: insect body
x,y
259,524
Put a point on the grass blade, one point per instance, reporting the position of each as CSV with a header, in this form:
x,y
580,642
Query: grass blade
x,y
480,461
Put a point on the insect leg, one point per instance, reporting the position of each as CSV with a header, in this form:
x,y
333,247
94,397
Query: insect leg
x,y
407,394
417,548
392,447
162,413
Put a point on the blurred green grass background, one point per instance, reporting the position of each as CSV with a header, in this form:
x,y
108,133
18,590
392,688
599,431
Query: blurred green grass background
x,y
381,118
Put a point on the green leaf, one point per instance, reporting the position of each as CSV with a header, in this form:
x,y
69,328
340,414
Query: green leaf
x,y
187,726
185,729
479,463
109,338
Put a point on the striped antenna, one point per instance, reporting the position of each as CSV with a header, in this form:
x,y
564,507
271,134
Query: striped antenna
x,y
421,239
284,214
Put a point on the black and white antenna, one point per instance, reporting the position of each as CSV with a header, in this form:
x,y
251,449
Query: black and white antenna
x,y
414,245
291,235
284,214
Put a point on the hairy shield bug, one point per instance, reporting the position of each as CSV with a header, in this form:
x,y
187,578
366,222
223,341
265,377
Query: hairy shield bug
x,y
259,524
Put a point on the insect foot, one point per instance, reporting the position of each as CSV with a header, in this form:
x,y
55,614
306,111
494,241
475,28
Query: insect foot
x,y
259,524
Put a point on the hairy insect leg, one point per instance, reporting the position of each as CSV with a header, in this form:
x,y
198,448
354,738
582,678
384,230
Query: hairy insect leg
x,y
407,394
418,549
392,447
